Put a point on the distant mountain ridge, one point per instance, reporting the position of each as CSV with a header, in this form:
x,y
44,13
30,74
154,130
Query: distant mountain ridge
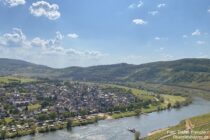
x,y
20,67
175,72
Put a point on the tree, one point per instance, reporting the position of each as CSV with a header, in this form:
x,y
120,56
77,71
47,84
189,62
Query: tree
x,y
43,117
169,105
130,91
33,129
159,108
161,99
69,124
96,119
26,109
83,112
146,103
138,112
45,103
158,96
53,115
47,129
177,104
3,134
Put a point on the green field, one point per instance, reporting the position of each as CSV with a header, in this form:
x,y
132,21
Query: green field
x,y
150,95
146,95
13,79
34,106
8,120
137,92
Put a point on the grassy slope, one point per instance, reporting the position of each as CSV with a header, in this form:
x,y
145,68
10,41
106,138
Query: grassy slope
x,y
170,89
173,99
143,94
137,92
201,123
149,95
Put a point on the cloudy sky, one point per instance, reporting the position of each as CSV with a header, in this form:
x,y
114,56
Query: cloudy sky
x,y
61,33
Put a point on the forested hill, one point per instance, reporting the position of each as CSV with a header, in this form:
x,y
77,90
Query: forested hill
x,y
172,72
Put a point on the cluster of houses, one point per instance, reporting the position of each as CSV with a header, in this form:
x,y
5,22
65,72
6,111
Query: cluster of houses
x,y
31,100
92,98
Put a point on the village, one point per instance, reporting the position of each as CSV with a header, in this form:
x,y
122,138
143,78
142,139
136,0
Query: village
x,y
41,106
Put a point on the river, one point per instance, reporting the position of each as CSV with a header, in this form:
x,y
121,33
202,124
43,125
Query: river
x,y
117,129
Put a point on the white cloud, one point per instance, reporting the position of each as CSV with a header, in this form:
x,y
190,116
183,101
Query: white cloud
x,y
208,10
14,39
43,8
17,39
160,38
168,56
136,5
73,35
153,13
131,6
15,36
13,3
59,36
49,52
157,38
199,42
38,42
196,33
184,36
159,50
139,21
161,5
140,4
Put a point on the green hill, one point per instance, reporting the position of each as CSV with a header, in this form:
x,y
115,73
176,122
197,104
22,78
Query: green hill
x,y
19,67
188,72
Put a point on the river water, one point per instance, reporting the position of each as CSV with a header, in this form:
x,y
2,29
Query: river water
x,y
117,129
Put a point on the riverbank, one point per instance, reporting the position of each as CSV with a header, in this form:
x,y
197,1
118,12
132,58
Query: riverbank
x,y
157,131
173,100
196,127
50,126
116,129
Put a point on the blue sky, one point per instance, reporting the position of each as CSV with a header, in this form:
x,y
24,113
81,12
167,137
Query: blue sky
x,y
91,32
